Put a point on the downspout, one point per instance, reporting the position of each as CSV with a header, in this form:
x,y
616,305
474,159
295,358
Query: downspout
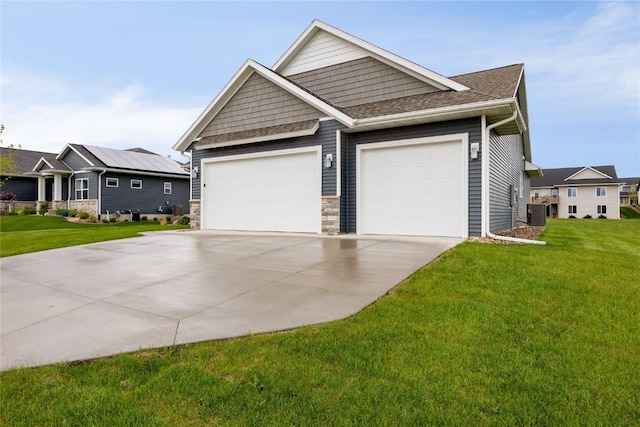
x,y
69,190
485,185
100,191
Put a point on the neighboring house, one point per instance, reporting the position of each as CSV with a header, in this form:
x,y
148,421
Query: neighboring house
x,y
22,185
341,136
629,191
578,192
103,181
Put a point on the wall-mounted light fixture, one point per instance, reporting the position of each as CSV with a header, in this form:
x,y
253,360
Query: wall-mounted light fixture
x,y
475,148
194,172
328,159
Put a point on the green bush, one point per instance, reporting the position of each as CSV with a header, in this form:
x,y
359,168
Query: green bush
x,y
44,208
155,219
144,218
27,210
113,219
12,213
184,220
105,220
83,215
168,220
73,212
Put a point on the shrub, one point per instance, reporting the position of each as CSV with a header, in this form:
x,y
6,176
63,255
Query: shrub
x,y
8,196
155,219
105,220
168,219
73,212
572,217
113,219
44,208
27,210
12,213
83,215
59,211
602,217
184,220
587,217
144,218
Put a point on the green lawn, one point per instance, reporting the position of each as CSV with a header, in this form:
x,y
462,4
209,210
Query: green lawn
x,y
24,234
629,213
485,335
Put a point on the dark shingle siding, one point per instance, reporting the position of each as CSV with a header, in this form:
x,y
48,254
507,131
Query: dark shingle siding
x,y
147,200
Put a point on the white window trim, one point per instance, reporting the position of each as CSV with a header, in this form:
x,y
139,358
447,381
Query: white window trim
x,y
81,188
110,185
575,209
575,189
136,180
601,195
165,187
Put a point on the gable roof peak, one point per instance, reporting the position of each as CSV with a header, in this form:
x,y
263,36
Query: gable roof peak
x,y
364,48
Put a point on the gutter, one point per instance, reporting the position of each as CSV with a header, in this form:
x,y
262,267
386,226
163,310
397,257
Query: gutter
x,y
486,148
100,191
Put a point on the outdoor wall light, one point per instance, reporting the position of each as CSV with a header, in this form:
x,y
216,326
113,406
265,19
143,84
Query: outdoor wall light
x,y
194,172
328,159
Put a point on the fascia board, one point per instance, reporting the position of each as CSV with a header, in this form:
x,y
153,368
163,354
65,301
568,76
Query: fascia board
x,y
232,86
305,132
70,147
604,175
477,107
383,55
39,164
136,172
236,83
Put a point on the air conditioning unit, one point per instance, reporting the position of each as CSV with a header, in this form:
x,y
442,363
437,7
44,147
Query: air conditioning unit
x,y
536,215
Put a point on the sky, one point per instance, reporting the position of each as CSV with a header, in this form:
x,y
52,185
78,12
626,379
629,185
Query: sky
x,y
129,74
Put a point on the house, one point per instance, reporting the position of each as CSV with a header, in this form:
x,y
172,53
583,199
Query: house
x,y
100,181
341,136
22,187
629,191
578,192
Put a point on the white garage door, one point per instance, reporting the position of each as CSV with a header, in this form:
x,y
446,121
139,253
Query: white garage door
x,y
414,187
276,191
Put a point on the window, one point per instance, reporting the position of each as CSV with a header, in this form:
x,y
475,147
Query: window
x,y
167,187
572,192
112,182
573,209
554,192
136,183
601,192
82,188
602,209
536,194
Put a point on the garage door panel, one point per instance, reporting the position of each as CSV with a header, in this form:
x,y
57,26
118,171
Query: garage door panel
x,y
271,193
413,189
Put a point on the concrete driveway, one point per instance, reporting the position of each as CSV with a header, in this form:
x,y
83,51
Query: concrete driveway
x,y
172,288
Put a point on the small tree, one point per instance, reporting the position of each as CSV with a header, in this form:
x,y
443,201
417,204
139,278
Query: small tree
x,y
8,166
633,195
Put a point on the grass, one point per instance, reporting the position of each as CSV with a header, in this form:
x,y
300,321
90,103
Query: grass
x,y
629,213
25,234
485,335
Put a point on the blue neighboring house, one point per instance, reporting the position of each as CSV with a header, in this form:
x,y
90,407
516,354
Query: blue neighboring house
x,y
103,181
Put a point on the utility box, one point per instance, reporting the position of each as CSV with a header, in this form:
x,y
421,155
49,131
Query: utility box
x,y
177,210
536,215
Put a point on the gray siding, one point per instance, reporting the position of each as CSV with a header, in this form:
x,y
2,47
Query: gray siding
x,y
26,189
93,184
74,161
147,199
506,165
471,126
325,136
257,104
359,82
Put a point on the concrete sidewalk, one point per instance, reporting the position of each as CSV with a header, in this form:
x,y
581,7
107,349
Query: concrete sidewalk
x,y
172,288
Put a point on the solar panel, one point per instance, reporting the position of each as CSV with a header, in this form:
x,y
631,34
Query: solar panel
x,y
122,159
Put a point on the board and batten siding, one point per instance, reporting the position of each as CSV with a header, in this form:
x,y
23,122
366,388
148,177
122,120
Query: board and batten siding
x,y
322,50
505,169
325,136
258,104
360,81
147,199
471,126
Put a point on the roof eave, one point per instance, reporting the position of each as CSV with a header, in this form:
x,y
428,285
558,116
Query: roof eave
x,y
138,172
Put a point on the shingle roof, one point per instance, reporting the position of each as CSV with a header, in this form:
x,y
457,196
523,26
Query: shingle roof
x,y
557,177
259,132
26,160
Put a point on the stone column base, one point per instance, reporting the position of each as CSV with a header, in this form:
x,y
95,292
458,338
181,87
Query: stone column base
x,y
330,215
194,214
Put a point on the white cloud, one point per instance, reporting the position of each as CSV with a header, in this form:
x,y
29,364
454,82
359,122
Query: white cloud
x,y
42,114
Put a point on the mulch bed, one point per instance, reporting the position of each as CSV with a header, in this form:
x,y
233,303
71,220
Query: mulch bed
x,y
526,232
